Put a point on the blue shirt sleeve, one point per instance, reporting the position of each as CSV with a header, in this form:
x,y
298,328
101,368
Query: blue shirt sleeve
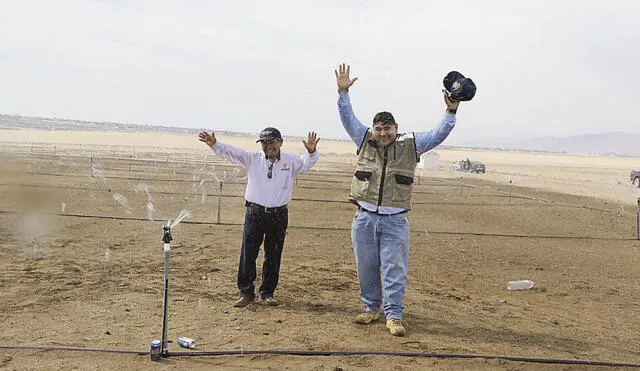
x,y
352,125
428,140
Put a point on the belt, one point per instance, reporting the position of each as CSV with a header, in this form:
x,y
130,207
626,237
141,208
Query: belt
x,y
268,210
377,213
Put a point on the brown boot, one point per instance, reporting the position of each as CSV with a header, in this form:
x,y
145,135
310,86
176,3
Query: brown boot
x,y
242,302
270,300
395,327
366,318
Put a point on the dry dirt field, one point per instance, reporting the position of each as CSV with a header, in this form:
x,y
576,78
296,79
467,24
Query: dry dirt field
x,y
81,261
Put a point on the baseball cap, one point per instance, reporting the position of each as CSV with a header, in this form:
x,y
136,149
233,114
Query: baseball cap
x,y
269,133
460,88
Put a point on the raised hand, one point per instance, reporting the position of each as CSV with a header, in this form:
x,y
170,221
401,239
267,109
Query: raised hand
x,y
209,139
342,77
311,142
452,106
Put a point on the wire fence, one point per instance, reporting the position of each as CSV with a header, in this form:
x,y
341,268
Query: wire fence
x,y
114,172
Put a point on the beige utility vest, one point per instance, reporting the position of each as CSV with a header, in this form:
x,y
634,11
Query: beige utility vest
x,y
384,176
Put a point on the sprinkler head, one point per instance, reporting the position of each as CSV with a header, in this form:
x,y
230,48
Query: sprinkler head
x,y
166,238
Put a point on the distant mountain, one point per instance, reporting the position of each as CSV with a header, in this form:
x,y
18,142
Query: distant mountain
x,y
616,143
58,124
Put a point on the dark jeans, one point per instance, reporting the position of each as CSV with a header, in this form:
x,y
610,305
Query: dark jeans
x,y
261,226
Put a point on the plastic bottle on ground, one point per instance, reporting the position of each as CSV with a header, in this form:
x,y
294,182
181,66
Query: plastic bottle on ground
x,y
520,285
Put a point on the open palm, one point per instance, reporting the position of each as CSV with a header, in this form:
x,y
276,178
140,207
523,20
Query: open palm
x,y
311,142
343,79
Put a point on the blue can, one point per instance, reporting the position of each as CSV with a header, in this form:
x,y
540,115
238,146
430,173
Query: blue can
x,y
156,350
186,342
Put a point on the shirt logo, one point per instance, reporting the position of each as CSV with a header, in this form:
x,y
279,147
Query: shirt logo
x,y
285,167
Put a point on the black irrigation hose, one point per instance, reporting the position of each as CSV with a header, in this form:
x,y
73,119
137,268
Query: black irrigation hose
x,y
406,354
338,353
328,181
43,347
342,201
166,180
294,199
196,222
232,182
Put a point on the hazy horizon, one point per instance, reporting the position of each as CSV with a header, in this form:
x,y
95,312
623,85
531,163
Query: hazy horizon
x,y
543,69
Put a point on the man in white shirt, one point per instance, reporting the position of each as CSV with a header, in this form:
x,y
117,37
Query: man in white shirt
x,y
270,178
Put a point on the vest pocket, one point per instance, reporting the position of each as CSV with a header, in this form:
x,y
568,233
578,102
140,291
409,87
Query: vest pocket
x,y
402,187
403,179
361,181
363,175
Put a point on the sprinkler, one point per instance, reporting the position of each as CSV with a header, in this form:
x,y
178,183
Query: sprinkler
x,y
166,238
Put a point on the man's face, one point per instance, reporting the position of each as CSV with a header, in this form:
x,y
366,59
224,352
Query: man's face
x,y
271,148
384,134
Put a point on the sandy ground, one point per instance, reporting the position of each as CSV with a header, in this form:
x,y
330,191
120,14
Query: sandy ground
x,y
81,261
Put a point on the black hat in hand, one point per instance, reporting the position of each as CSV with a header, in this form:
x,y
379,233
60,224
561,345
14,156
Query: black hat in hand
x,y
459,87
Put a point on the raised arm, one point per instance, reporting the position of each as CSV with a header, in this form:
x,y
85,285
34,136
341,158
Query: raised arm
x,y
428,140
230,153
350,122
307,161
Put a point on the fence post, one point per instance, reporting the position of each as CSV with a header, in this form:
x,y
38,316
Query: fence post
x,y
460,186
638,221
219,203
510,190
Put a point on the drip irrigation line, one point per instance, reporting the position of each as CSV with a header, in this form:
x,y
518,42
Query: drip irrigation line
x,y
343,201
340,188
44,347
241,196
336,353
328,201
406,354
196,222
117,190
233,182
163,179
529,236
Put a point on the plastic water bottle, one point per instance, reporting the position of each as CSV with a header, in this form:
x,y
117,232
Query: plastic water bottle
x,y
520,285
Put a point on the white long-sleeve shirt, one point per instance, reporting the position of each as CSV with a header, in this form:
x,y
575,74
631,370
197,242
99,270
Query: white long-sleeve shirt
x,y
260,189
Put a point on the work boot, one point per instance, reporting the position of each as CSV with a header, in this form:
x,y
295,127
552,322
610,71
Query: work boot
x,y
242,302
395,327
270,300
367,317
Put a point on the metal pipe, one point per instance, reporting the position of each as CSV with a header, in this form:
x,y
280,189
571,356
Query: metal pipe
x,y
166,238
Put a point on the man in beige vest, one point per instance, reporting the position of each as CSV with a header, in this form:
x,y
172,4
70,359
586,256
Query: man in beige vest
x,y
381,189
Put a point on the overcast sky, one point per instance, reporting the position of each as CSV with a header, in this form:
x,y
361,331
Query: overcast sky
x,y
543,68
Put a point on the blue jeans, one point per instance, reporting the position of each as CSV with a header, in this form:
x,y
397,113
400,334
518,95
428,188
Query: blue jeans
x,y
381,249
261,226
